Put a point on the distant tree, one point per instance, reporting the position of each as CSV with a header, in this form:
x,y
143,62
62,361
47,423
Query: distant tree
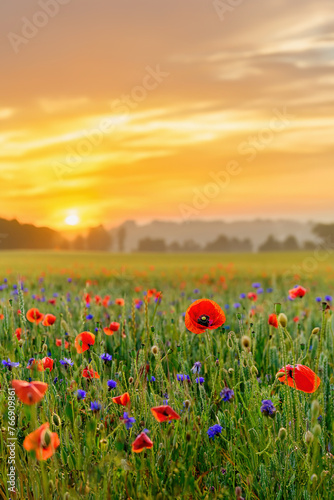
x,y
309,245
150,245
121,235
98,239
326,233
221,244
174,247
79,243
191,246
290,244
270,245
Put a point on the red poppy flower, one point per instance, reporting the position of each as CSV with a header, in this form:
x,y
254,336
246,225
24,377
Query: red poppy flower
x,y
301,378
273,321
98,299
113,327
52,302
204,314
29,393
87,373
164,413
141,442
2,316
298,291
42,442
47,363
37,364
123,400
49,319
120,302
34,316
58,342
18,333
296,319
83,341
67,344
252,296
106,300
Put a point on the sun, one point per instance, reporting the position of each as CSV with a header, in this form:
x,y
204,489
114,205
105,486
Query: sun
x,y
72,220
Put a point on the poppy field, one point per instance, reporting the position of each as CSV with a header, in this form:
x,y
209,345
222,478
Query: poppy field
x,y
152,378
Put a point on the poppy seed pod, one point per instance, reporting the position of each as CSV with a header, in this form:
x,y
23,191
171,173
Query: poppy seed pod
x,y
44,348
283,320
187,403
315,331
131,380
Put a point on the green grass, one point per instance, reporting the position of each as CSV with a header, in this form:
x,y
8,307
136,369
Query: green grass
x,y
94,459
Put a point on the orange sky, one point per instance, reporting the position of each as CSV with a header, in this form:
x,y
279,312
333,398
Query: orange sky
x,y
131,109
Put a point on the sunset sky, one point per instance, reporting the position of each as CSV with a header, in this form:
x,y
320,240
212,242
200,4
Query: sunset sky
x,y
115,110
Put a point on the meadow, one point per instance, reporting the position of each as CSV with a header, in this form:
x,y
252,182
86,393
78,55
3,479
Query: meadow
x,y
224,425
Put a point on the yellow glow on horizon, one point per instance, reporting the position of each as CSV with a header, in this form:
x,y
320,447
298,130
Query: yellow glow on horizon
x,y
72,220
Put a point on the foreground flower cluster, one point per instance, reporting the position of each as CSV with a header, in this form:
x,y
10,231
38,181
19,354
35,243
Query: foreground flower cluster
x,y
172,386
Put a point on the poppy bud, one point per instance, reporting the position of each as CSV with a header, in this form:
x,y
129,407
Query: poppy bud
x,y
314,478
56,420
67,496
230,370
239,316
316,430
315,331
315,409
238,492
283,320
100,427
282,434
131,380
155,350
245,342
187,403
44,348
188,436
308,437
21,342
254,370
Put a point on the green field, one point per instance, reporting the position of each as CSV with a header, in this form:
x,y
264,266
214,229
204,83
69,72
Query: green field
x,y
286,453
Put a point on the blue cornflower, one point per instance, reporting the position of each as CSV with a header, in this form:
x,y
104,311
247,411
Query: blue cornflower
x,y
197,367
199,380
256,285
270,290
214,431
182,378
10,364
106,357
319,418
236,305
128,421
69,280
227,394
139,304
227,306
89,316
196,290
318,299
55,380
66,362
328,298
242,296
111,384
152,379
95,406
81,394
268,407
260,290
